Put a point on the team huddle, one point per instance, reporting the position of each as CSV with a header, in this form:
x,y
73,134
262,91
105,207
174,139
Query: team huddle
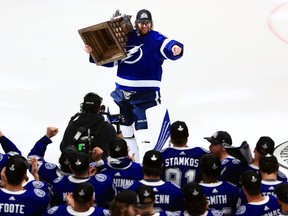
x,y
175,181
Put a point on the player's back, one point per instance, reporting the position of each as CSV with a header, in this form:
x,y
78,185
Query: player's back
x,y
168,196
221,196
269,206
123,173
66,184
25,202
181,165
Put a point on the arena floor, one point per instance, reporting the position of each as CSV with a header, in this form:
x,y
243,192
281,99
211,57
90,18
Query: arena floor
x,y
233,75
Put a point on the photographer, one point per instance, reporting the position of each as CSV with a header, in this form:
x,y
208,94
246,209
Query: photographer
x,y
89,129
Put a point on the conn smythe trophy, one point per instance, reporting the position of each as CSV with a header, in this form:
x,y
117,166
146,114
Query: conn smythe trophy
x,y
108,39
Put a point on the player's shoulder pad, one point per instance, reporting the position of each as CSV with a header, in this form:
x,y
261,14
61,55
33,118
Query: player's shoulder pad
x,y
38,184
40,193
52,210
50,166
101,177
236,161
241,210
58,179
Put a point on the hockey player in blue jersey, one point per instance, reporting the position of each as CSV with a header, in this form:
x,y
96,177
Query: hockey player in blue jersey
x,y
168,196
145,203
281,192
232,168
268,168
9,148
80,202
181,163
195,202
257,203
139,75
120,167
124,204
48,171
221,195
104,190
265,145
16,200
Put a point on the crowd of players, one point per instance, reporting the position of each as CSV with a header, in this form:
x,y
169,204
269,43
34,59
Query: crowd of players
x,y
179,180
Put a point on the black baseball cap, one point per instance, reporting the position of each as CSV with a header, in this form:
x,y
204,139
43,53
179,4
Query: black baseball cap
x,y
193,192
143,16
92,102
118,148
145,196
281,192
268,163
179,130
251,179
83,192
17,166
80,162
210,165
65,158
265,145
127,196
220,137
153,158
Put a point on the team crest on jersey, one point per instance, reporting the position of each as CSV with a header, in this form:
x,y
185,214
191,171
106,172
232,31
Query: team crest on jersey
x,y
217,213
235,161
281,174
134,54
241,210
106,212
52,210
101,177
37,184
58,179
39,192
50,166
225,161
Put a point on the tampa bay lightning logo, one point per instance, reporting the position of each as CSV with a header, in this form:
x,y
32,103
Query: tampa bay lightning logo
x,y
39,192
101,177
134,54
52,210
37,184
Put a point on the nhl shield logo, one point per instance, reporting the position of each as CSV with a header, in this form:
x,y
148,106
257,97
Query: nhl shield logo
x,y
281,152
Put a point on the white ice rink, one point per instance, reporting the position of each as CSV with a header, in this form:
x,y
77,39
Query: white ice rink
x,y
233,75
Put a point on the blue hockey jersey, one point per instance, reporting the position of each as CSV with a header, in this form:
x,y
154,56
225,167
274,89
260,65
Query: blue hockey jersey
x,y
32,202
168,196
221,196
104,190
269,206
182,165
141,70
123,172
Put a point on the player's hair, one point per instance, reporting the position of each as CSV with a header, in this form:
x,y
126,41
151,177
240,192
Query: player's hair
x,y
119,209
268,165
196,208
178,141
252,187
152,171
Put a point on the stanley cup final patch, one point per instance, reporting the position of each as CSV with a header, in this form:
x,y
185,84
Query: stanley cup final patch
x,y
281,152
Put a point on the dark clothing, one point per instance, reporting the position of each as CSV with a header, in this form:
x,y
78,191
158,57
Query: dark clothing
x,y
101,131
